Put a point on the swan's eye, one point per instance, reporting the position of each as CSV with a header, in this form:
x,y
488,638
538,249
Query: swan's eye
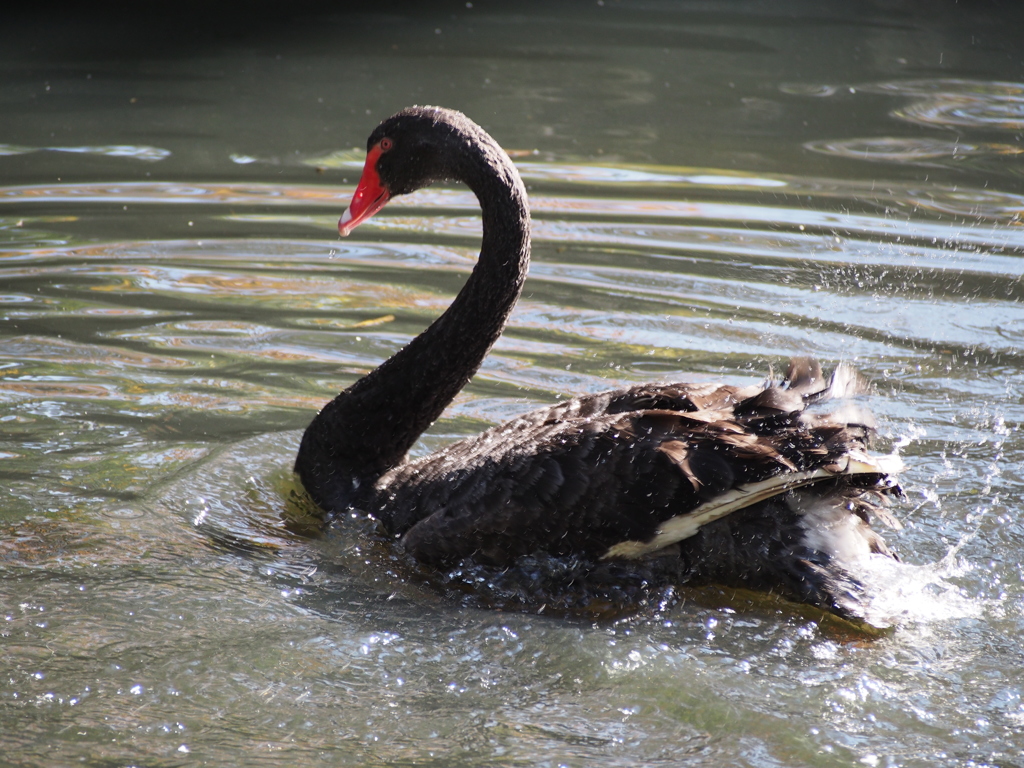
x,y
386,144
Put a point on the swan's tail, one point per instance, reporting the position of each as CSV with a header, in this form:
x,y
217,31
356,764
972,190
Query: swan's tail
x,y
802,531
808,535
810,546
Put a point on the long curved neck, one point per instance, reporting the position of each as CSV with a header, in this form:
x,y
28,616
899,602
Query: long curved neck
x,y
369,427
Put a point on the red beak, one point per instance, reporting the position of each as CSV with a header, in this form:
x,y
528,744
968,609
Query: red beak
x,y
369,198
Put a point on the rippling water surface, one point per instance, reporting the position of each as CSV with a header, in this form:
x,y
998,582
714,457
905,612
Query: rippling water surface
x,y
714,189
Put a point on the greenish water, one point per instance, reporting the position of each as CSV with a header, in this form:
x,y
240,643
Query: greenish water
x,y
715,187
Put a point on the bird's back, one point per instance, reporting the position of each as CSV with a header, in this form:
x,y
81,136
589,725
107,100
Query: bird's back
x,y
746,486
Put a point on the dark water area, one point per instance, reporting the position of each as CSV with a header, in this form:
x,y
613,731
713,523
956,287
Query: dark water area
x,y
715,187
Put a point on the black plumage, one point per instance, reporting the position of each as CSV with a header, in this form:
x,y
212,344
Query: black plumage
x,y
759,487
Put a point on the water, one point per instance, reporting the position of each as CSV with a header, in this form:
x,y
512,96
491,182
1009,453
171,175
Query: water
x,y
715,187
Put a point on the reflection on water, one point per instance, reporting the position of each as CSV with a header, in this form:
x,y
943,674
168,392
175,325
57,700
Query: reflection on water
x,y
942,103
138,367
968,103
701,209
149,154
893,150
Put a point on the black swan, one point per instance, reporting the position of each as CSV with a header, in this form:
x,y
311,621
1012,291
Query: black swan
x,y
742,486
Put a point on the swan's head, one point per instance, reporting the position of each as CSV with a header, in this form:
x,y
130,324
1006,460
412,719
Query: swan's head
x,y
408,151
